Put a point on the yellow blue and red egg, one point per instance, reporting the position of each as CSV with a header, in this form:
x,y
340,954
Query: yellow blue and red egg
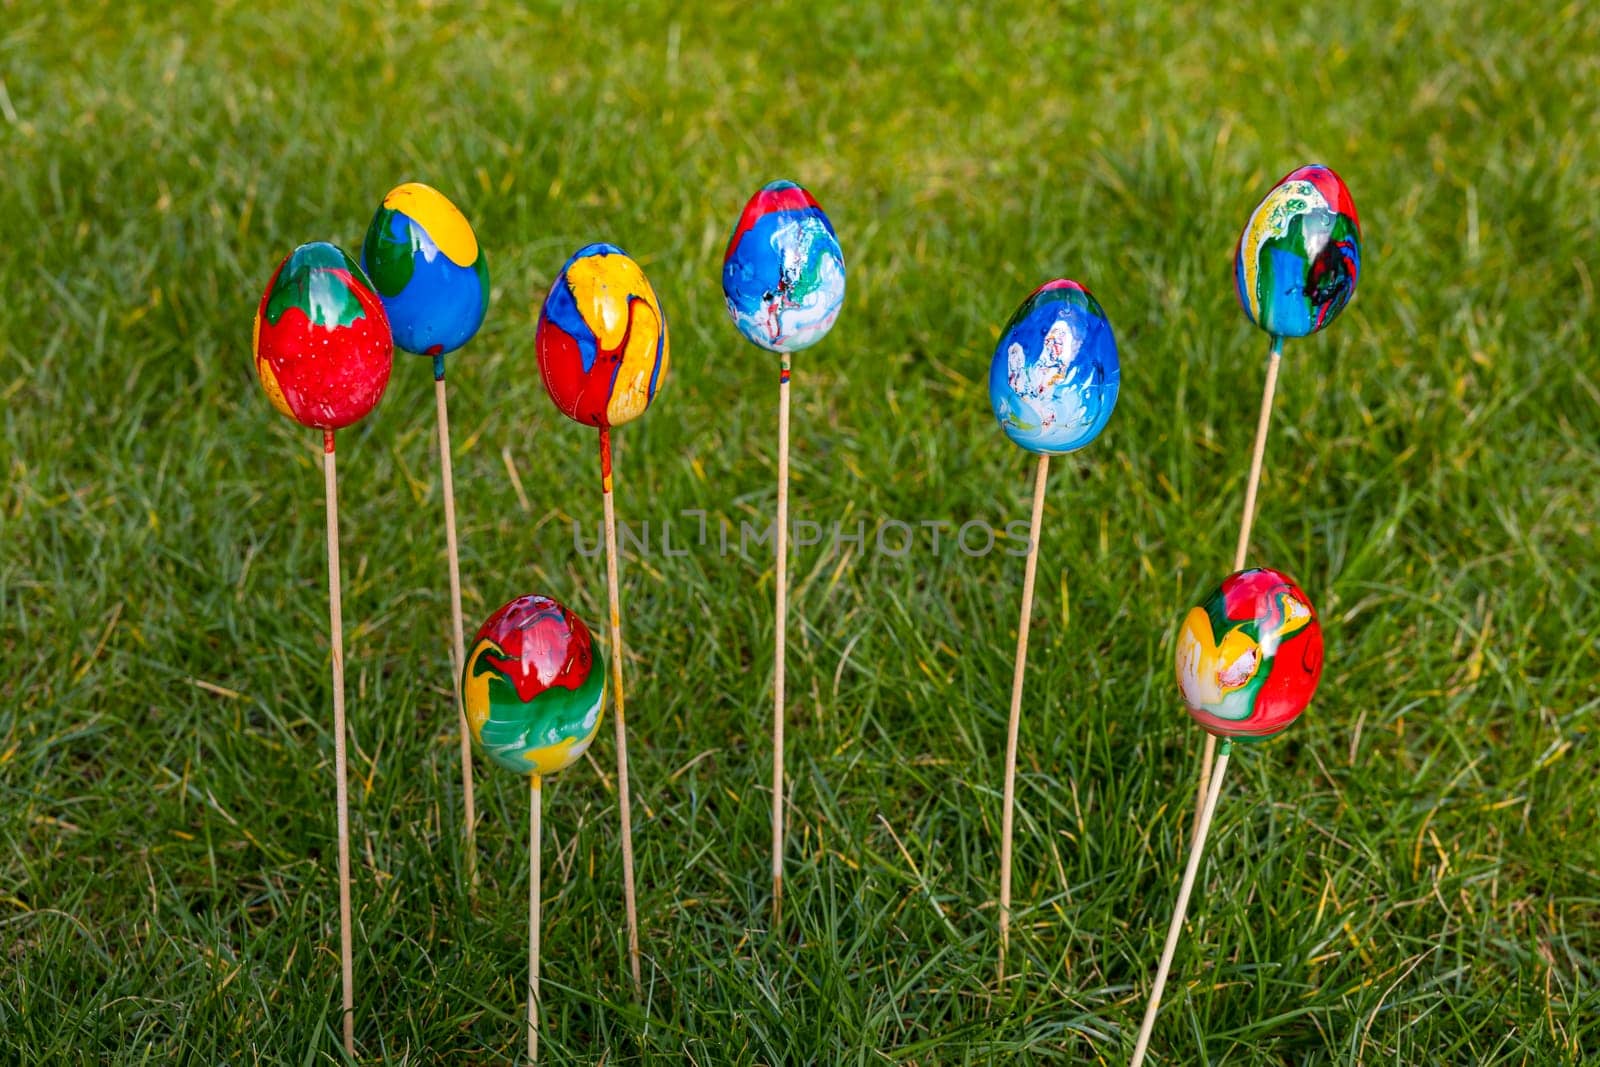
x,y
602,339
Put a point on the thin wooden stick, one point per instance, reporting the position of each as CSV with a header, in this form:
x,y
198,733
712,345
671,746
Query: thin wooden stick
x,y
534,871
1263,421
457,650
341,788
781,611
1176,928
1016,709
623,801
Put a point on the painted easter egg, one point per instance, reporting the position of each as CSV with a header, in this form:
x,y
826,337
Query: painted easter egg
x,y
425,262
1250,655
533,687
1299,256
1054,378
322,345
783,273
602,340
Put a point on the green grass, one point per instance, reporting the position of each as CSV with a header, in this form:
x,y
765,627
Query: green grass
x,y
1412,875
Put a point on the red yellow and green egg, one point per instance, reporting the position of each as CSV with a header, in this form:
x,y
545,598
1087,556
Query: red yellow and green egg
x,y
533,687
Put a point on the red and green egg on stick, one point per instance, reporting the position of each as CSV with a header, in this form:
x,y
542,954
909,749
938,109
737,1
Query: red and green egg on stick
x,y
1248,661
323,352
534,688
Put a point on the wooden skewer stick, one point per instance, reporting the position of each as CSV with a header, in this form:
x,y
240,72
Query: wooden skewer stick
x,y
1016,709
623,801
1176,928
457,650
1245,522
341,787
781,610
534,846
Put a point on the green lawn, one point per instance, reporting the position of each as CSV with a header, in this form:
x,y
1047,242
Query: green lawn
x,y
1411,875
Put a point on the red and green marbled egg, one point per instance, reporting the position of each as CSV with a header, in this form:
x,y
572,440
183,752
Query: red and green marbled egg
x,y
1250,655
533,687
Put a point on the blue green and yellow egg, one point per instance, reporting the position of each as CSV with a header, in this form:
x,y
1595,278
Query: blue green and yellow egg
x,y
425,262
